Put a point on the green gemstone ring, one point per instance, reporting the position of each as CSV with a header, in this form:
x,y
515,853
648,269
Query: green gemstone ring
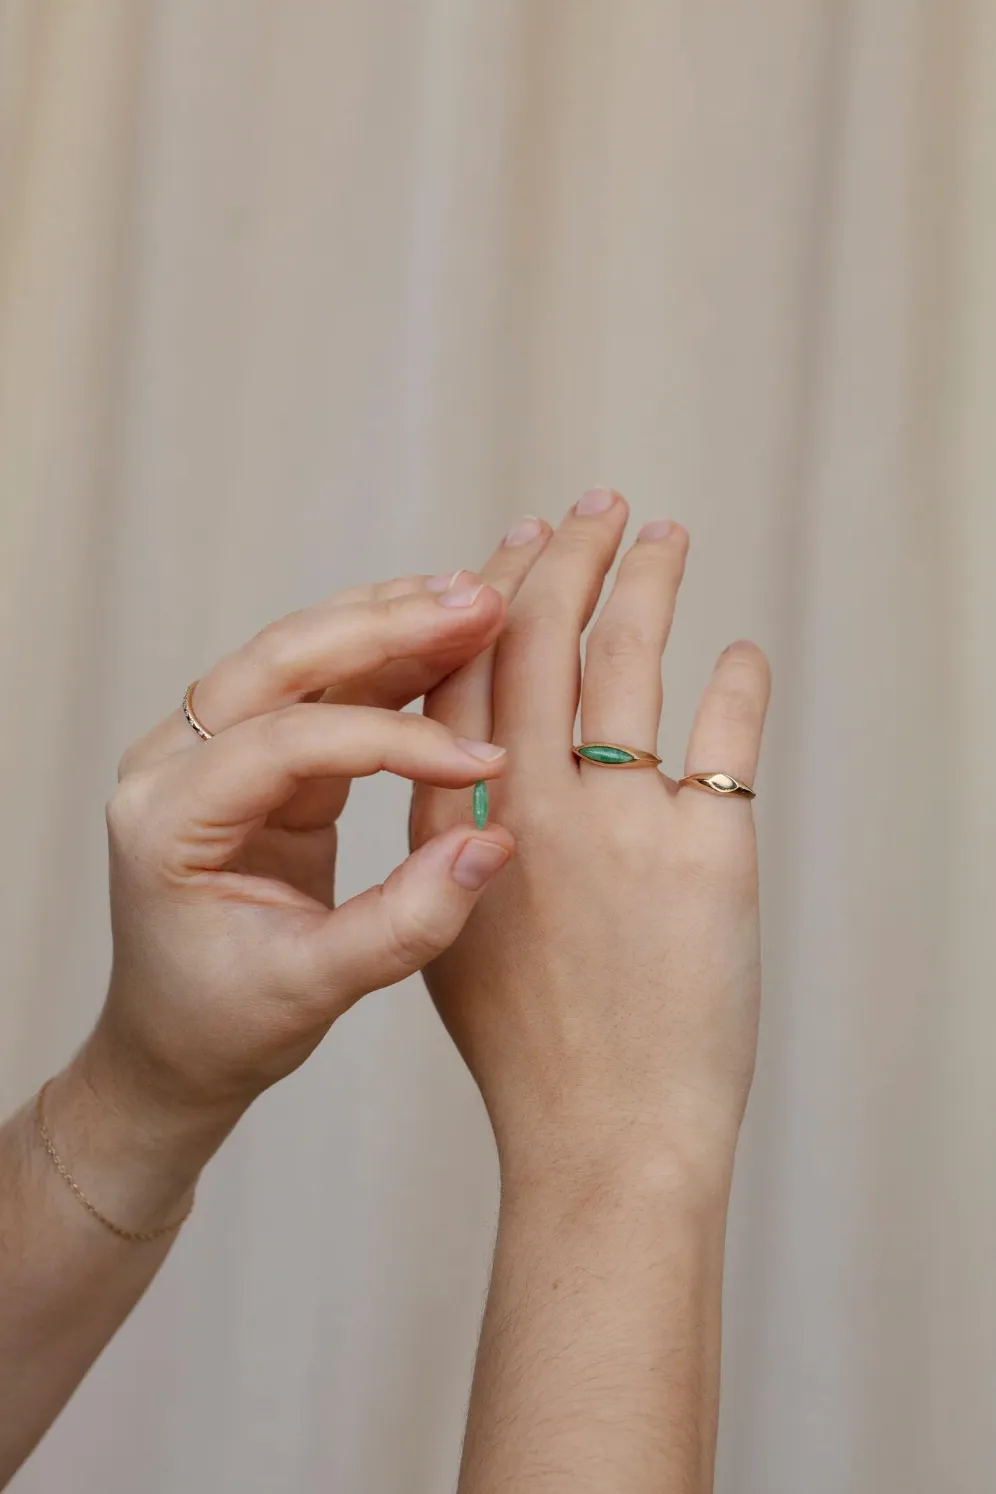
x,y
613,755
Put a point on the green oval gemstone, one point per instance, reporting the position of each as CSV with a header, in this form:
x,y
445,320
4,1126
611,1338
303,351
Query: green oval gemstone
x,y
480,804
598,752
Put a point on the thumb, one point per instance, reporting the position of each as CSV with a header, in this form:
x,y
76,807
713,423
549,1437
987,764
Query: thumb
x,y
389,932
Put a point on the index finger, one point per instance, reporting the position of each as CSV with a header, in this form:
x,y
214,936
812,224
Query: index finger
x,y
330,646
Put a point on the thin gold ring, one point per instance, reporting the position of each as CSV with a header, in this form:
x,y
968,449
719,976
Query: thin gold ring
x,y
191,715
719,783
614,755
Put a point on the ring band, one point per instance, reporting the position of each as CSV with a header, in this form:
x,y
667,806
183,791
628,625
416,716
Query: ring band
x,y
719,783
614,755
191,715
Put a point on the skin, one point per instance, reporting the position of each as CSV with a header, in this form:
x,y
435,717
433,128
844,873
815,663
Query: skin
x,y
603,990
605,997
231,961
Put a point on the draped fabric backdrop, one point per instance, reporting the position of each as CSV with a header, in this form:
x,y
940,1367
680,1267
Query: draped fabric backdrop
x,y
296,295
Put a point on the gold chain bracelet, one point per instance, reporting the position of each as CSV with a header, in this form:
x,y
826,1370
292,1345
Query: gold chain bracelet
x,y
134,1235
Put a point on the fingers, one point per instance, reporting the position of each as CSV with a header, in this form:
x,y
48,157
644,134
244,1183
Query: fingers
x,y
726,737
537,666
334,645
621,693
199,808
462,701
411,624
389,932
378,591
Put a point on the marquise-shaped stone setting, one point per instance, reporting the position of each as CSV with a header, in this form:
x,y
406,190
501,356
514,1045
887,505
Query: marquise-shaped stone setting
x,y
601,752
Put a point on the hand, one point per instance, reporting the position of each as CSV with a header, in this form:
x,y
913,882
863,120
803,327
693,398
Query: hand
x,y
605,990
230,958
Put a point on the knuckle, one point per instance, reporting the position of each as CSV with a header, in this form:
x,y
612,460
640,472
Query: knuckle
x,y
736,707
127,809
547,606
745,668
278,730
392,619
618,641
415,724
643,560
536,819
718,865
127,762
277,652
576,544
412,940
546,614
635,843
393,607
696,869
414,728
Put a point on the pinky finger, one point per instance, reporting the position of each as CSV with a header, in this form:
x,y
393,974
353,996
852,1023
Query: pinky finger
x,y
726,737
389,932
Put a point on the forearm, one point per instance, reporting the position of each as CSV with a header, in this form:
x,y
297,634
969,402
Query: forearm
x,y
598,1367
67,1282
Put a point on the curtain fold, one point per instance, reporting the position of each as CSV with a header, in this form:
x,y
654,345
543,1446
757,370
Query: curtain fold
x,y
293,296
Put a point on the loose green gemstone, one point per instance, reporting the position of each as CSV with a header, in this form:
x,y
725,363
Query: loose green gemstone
x,y
480,804
597,752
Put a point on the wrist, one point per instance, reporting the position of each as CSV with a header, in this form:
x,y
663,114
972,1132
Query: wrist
x,y
152,1096
668,1168
133,1157
649,1216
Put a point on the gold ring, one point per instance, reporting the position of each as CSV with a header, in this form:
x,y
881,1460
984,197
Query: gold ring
x,y
718,783
189,712
612,755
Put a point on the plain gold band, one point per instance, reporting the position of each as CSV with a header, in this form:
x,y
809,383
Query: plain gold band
x,y
191,715
719,783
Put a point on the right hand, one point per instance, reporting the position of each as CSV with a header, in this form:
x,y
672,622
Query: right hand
x,y
231,960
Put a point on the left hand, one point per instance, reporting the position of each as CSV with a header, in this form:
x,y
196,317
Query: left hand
x,y
604,992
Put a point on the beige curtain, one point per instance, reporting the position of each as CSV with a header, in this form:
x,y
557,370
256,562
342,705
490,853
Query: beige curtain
x,y
293,295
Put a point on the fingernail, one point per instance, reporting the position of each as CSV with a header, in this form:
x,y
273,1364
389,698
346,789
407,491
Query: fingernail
x,y
740,643
489,752
477,862
657,529
523,533
461,596
595,501
442,583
